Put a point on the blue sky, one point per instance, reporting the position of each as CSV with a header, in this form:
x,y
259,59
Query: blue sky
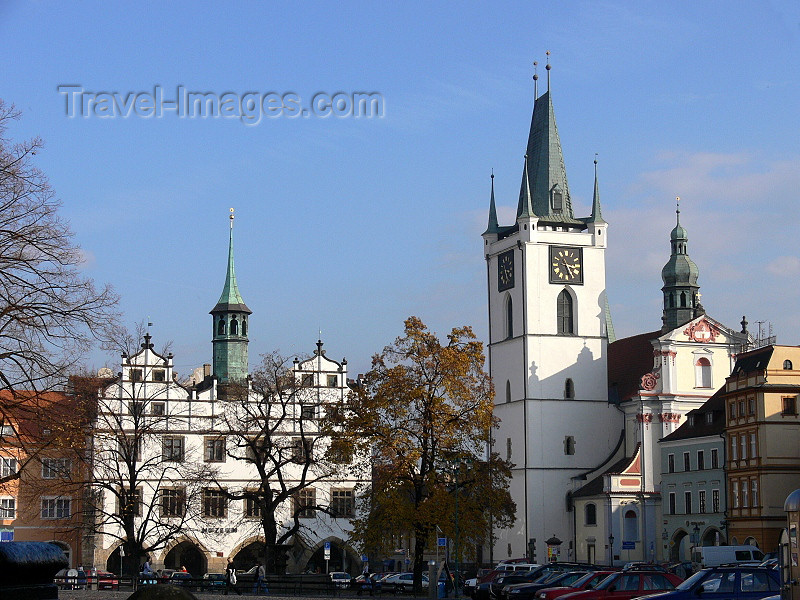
x,y
350,225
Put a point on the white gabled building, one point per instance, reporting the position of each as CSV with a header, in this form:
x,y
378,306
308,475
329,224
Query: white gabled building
x,y
175,455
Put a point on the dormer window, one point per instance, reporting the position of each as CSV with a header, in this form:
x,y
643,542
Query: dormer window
x,y
557,199
787,365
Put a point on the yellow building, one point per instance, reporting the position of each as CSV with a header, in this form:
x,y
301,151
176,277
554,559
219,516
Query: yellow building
x,y
763,443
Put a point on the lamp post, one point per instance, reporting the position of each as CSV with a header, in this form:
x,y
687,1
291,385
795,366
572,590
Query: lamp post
x,y
611,547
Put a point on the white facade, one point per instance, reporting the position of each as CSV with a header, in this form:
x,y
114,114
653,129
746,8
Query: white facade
x,y
182,428
551,386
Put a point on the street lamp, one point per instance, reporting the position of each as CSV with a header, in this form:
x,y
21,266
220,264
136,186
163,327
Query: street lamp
x,y
611,546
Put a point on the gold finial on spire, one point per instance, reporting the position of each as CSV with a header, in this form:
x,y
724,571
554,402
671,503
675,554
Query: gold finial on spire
x,y
231,218
535,79
548,70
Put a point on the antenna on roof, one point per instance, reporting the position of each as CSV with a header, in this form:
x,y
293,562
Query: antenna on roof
x,y
535,80
548,70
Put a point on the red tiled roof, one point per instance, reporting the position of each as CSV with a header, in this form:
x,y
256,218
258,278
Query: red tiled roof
x,y
629,359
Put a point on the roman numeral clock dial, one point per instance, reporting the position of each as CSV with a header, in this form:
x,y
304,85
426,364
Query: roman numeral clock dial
x,y
505,271
566,265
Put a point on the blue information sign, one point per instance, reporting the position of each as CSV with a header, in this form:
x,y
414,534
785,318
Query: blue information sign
x,y
441,542
629,545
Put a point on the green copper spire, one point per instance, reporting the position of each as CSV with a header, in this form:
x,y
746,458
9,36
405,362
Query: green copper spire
x,y
525,208
681,297
493,227
230,321
597,215
544,163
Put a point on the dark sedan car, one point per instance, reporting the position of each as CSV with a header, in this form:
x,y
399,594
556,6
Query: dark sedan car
x,y
726,583
526,591
490,590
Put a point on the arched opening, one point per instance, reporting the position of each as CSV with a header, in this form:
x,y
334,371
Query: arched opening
x,y
114,561
672,300
65,548
564,306
679,550
751,541
702,373
712,537
244,327
342,559
683,299
508,391
569,389
590,517
234,326
221,327
630,526
187,554
787,365
246,557
509,317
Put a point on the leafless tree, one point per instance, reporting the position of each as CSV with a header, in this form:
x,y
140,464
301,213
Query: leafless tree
x,y
50,313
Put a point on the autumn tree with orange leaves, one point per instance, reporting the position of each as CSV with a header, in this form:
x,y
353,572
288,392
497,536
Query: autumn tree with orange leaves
x,y
423,412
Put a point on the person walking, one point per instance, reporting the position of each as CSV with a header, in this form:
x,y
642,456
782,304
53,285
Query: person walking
x,y
230,578
259,582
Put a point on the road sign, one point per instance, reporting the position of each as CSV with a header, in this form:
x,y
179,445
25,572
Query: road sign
x,y
441,542
629,545
364,558
327,550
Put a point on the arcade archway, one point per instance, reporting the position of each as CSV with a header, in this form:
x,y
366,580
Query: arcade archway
x,y
342,558
679,547
187,554
247,556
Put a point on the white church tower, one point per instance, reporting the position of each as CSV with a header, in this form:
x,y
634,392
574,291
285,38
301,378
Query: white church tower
x,y
549,330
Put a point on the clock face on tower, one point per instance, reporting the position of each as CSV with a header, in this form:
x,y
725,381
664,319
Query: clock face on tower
x,y
566,265
505,271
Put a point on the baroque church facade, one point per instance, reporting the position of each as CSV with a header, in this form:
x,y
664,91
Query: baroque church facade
x,y
581,413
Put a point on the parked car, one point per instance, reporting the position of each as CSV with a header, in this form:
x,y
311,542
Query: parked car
x,y
728,583
471,583
492,589
181,578
71,579
341,579
714,556
589,581
213,581
626,585
106,580
527,591
402,583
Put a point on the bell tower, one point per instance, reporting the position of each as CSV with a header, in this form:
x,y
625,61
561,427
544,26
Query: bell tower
x,y
681,292
549,328
230,324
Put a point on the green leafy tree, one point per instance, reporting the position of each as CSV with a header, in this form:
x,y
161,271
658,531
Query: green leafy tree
x,y
421,419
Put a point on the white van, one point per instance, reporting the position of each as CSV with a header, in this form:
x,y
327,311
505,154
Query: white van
x,y
713,556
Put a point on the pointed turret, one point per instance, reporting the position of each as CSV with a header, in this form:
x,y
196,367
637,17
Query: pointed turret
x,y
493,226
681,297
525,208
597,214
230,317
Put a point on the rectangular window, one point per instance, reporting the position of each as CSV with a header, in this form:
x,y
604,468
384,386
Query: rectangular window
x,y
304,502
735,494
136,374
670,463
672,507
701,501
215,503
687,499
715,501
56,508
136,408
129,502
743,444
252,509
732,410
745,494
734,448
54,468
159,375
158,409
508,449
302,450
130,447
8,466
701,460
751,406
215,449
342,503
754,492
8,508
173,502
332,380
307,381
741,408
789,406
753,447
709,418
308,412
714,458
172,449
686,463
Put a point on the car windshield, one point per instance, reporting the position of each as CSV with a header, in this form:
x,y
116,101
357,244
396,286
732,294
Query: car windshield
x,y
692,581
579,582
608,581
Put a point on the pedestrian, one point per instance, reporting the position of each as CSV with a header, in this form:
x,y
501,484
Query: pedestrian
x,y
183,569
259,582
230,578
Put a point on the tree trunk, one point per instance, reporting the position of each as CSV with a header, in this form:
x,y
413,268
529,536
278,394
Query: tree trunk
x,y
420,537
